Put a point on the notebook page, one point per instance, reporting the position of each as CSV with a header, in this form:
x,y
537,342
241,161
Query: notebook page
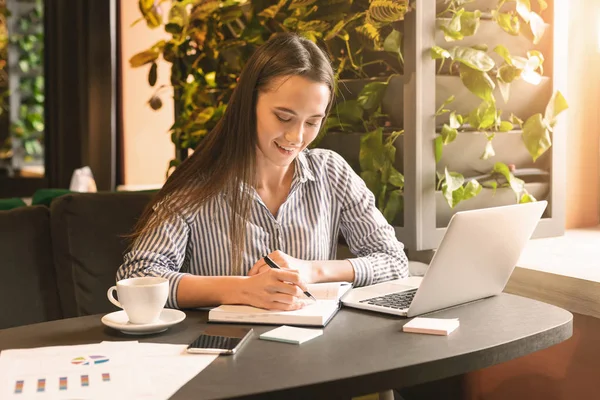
x,y
320,308
327,291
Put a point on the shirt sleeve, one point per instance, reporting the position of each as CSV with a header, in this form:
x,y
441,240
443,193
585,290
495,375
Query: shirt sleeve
x,y
161,253
380,256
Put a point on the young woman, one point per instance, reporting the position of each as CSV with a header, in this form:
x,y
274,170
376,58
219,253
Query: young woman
x,y
252,188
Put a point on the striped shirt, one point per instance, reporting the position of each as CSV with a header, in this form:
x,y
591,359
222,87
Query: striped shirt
x,y
326,197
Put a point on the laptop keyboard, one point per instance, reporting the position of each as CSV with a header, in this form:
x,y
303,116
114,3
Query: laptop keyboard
x,y
399,300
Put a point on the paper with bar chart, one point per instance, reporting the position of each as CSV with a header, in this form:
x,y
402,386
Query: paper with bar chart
x,y
86,371
107,370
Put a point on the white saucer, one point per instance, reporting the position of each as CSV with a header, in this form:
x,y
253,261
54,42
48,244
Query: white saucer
x,y
118,320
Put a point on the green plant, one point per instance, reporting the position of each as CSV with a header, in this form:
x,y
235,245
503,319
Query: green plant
x,y
480,75
3,58
210,40
377,154
28,39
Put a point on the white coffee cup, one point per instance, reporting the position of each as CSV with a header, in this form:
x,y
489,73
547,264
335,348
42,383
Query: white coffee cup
x,y
142,298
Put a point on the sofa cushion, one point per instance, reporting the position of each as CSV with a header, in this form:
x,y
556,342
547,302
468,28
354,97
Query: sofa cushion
x,y
9,204
47,196
28,292
88,244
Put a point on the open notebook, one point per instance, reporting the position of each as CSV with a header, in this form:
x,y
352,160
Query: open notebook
x,y
317,313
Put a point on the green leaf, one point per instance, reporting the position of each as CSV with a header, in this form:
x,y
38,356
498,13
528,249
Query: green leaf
x,y
524,9
152,13
508,73
504,90
438,52
503,52
300,3
505,126
516,184
369,34
484,116
453,180
271,12
509,22
451,35
211,79
535,53
173,29
439,146
333,123
371,95
453,121
472,189
480,47
556,105
205,115
389,152
178,15
452,188
452,30
387,10
381,195
492,184
396,178
527,198
393,206
469,22
144,57
488,117
371,155
348,111
314,25
473,58
372,180
393,42
536,136
478,82
488,151
152,74
538,27
448,134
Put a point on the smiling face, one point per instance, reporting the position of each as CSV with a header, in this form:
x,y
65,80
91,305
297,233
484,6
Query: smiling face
x,y
289,114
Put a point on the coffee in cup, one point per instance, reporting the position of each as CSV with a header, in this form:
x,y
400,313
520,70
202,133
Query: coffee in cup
x,y
142,298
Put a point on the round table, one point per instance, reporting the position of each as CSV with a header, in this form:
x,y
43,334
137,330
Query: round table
x,y
359,352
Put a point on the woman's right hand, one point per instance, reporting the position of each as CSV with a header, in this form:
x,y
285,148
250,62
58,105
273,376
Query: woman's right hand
x,y
274,289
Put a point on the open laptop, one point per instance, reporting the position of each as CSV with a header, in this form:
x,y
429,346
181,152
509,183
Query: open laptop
x,y
474,260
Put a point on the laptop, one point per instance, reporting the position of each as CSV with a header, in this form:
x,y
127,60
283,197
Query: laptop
x,y
474,260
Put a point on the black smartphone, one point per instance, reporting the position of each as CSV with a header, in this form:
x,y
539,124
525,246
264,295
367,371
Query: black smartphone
x,y
220,340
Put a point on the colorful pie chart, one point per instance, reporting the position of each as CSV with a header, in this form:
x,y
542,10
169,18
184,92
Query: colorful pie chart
x,y
89,360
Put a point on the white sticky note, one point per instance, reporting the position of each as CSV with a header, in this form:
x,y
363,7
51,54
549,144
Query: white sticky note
x,y
431,326
291,334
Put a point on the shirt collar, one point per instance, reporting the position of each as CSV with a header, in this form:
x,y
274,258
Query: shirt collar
x,y
303,171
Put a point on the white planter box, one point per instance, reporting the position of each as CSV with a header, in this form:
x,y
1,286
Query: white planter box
x,y
492,35
485,199
524,101
463,154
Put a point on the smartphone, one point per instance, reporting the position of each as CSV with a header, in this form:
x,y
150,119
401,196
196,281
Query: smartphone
x,y
220,340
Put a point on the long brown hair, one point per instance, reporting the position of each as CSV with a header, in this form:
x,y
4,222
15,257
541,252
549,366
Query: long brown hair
x,y
224,161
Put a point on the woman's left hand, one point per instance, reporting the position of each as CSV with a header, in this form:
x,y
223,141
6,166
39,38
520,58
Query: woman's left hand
x,y
306,269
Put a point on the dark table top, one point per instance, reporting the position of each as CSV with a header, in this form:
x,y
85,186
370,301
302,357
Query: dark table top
x,y
359,352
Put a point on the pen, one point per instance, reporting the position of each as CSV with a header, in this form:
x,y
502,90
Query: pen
x,y
273,265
